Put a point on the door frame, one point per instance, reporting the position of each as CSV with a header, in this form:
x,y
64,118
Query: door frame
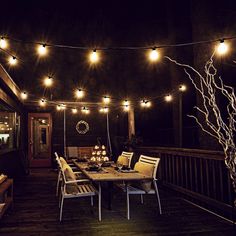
x,y
41,162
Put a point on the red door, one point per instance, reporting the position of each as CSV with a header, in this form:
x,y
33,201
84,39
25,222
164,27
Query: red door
x,y
39,141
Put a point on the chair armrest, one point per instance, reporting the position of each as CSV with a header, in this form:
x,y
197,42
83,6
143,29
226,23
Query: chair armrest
x,y
77,181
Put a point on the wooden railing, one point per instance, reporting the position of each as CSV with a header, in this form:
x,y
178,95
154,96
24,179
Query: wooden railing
x,y
198,174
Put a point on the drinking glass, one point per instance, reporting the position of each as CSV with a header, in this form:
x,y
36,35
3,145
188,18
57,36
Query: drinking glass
x,y
119,165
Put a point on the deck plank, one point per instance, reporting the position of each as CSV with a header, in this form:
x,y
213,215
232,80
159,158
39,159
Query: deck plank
x,y
36,212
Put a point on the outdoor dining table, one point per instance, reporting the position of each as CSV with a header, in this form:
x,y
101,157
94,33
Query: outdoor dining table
x,y
110,175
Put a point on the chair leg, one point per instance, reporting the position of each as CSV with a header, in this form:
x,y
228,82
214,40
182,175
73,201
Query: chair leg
x,y
62,201
99,202
91,200
158,196
141,198
127,198
58,182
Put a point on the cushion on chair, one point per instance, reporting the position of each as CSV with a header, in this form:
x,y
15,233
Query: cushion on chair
x,y
145,169
124,160
71,188
63,161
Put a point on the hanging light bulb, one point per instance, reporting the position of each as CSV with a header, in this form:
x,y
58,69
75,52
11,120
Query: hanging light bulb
x,y
74,110
24,95
85,110
93,56
12,60
168,98
145,103
154,55
106,99
59,108
222,48
42,102
104,110
79,93
42,50
182,88
48,81
126,103
126,108
3,43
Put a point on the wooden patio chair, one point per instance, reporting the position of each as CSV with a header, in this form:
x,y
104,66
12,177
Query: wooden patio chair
x,y
146,165
76,188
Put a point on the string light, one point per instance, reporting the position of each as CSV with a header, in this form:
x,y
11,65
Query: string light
x,y
104,110
126,103
106,99
3,43
74,110
182,88
222,48
12,60
126,108
145,103
168,98
154,55
48,81
42,50
24,95
79,93
85,110
93,56
42,102
59,107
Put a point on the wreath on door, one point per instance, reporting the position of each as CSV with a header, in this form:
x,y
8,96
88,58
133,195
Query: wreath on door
x,y
82,127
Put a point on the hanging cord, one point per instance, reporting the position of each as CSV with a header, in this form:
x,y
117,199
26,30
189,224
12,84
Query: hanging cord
x,y
108,136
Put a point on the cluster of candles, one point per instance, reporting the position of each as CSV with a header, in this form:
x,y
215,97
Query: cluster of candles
x,y
99,154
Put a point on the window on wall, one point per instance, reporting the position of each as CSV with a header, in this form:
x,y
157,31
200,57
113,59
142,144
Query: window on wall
x,y
7,128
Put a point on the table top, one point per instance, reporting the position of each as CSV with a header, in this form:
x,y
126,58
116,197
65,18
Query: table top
x,y
110,174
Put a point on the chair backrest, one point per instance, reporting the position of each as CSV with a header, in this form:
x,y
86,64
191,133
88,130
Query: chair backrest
x,y
152,161
128,155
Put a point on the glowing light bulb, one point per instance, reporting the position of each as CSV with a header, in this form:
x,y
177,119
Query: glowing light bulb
x,y
106,100
145,103
42,102
85,110
24,95
48,81
3,43
12,60
182,88
126,108
168,98
104,110
94,57
42,50
79,93
222,48
59,107
154,55
74,110
126,103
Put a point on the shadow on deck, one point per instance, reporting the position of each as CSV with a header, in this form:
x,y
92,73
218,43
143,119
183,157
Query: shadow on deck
x,y
36,212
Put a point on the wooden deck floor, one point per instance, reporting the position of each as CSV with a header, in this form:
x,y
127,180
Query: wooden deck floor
x,y
36,213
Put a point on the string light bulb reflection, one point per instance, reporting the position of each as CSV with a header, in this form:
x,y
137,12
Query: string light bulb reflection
x,y
154,55
24,95
42,50
93,56
79,93
222,48
168,98
12,60
48,81
3,43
